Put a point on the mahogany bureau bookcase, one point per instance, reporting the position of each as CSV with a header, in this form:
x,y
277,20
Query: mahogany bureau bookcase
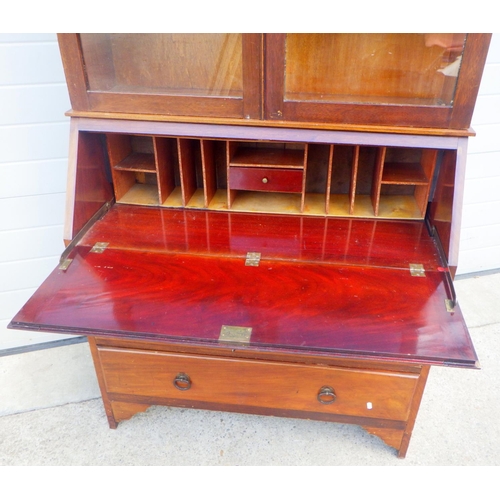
x,y
266,223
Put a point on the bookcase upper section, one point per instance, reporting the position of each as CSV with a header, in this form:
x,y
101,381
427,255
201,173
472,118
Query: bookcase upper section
x,y
329,80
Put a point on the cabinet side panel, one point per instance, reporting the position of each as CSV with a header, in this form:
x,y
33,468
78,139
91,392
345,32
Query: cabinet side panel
x,y
446,204
92,188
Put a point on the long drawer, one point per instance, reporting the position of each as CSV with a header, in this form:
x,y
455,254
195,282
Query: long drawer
x,y
248,383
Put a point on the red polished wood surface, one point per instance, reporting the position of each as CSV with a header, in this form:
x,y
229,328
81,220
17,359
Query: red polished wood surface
x,y
266,179
92,190
317,239
375,313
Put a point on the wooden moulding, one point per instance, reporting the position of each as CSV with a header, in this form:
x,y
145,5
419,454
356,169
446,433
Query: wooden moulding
x,y
282,124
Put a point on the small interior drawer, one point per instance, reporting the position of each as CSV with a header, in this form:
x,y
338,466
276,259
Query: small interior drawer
x,y
247,383
283,180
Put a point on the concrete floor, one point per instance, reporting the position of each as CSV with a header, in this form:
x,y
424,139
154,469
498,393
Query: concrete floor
x,y
51,414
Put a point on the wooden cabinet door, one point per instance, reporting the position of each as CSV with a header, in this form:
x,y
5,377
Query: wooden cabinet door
x,y
420,80
213,75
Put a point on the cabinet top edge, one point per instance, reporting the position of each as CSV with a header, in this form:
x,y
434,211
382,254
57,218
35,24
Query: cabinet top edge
x,y
403,130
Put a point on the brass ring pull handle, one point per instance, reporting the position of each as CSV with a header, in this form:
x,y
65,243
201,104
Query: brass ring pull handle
x,y
265,180
326,395
182,382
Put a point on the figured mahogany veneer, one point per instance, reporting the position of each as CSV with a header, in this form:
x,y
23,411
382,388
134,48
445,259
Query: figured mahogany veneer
x,y
291,305
314,302
200,232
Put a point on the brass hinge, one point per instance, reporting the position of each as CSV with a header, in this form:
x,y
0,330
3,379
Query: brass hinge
x,y
99,247
417,270
252,259
64,264
239,334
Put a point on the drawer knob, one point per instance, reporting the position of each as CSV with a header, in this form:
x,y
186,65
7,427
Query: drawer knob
x,y
182,382
326,395
265,180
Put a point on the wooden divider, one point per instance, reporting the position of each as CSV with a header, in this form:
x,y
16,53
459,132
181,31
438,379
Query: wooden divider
x,y
271,177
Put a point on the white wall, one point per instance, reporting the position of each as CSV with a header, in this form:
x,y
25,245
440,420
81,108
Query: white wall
x,y
33,154
480,235
33,158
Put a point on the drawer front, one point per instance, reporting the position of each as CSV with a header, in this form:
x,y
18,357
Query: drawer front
x,y
282,180
274,385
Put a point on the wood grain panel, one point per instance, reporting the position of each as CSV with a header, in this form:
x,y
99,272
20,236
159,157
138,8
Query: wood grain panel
x,y
354,241
359,393
347,310
92,189
266,179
